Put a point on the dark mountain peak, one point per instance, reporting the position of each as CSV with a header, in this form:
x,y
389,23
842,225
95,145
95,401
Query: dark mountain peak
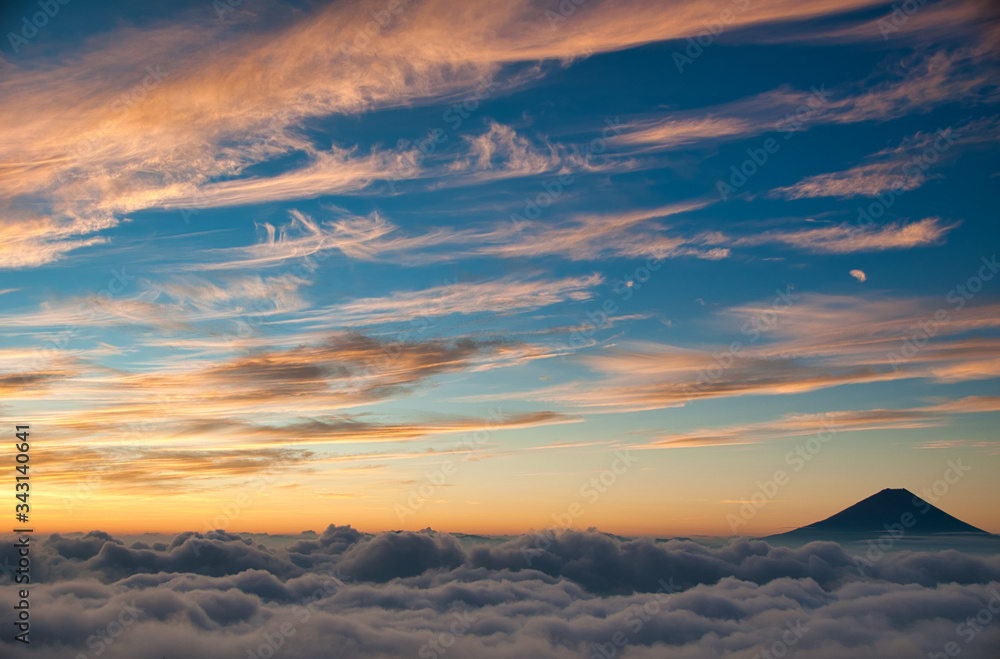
x,y
887,509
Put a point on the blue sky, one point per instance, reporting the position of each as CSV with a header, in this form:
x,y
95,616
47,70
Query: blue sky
x,y
252,238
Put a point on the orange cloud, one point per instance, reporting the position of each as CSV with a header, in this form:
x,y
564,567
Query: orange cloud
x,y
202,101
505,295
816,342
897,169
849,238
32,241
797,425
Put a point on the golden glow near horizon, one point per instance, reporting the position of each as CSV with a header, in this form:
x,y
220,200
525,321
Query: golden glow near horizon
x,y
485,269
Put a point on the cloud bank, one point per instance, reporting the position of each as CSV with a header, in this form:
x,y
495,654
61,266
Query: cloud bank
x,y
567,594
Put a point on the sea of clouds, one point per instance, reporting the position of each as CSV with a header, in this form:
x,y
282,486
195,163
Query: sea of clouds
x,y
345,594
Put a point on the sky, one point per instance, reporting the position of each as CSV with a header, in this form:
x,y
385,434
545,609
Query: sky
x,y
687,268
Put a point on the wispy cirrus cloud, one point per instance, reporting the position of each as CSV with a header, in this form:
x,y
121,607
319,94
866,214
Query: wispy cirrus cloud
x,y
950,21
502,150
302,237
203,420
869,180
500,296
579,237
178,304
900,168
985,446
671,133
335,372
914,84
29,242
198,121
500,153
497,154
798,425
337,171
37,383
817,343
848,238
592,236
171,455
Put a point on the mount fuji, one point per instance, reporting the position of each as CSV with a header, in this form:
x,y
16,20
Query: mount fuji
x,y
896,513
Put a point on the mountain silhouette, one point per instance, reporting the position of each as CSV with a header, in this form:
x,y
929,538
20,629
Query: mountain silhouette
x,y
888,511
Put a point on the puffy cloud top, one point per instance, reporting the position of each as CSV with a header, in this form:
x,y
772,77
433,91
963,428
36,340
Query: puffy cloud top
x,y
548,594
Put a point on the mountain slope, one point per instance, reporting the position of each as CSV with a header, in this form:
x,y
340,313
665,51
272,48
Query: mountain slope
x,y
882,512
